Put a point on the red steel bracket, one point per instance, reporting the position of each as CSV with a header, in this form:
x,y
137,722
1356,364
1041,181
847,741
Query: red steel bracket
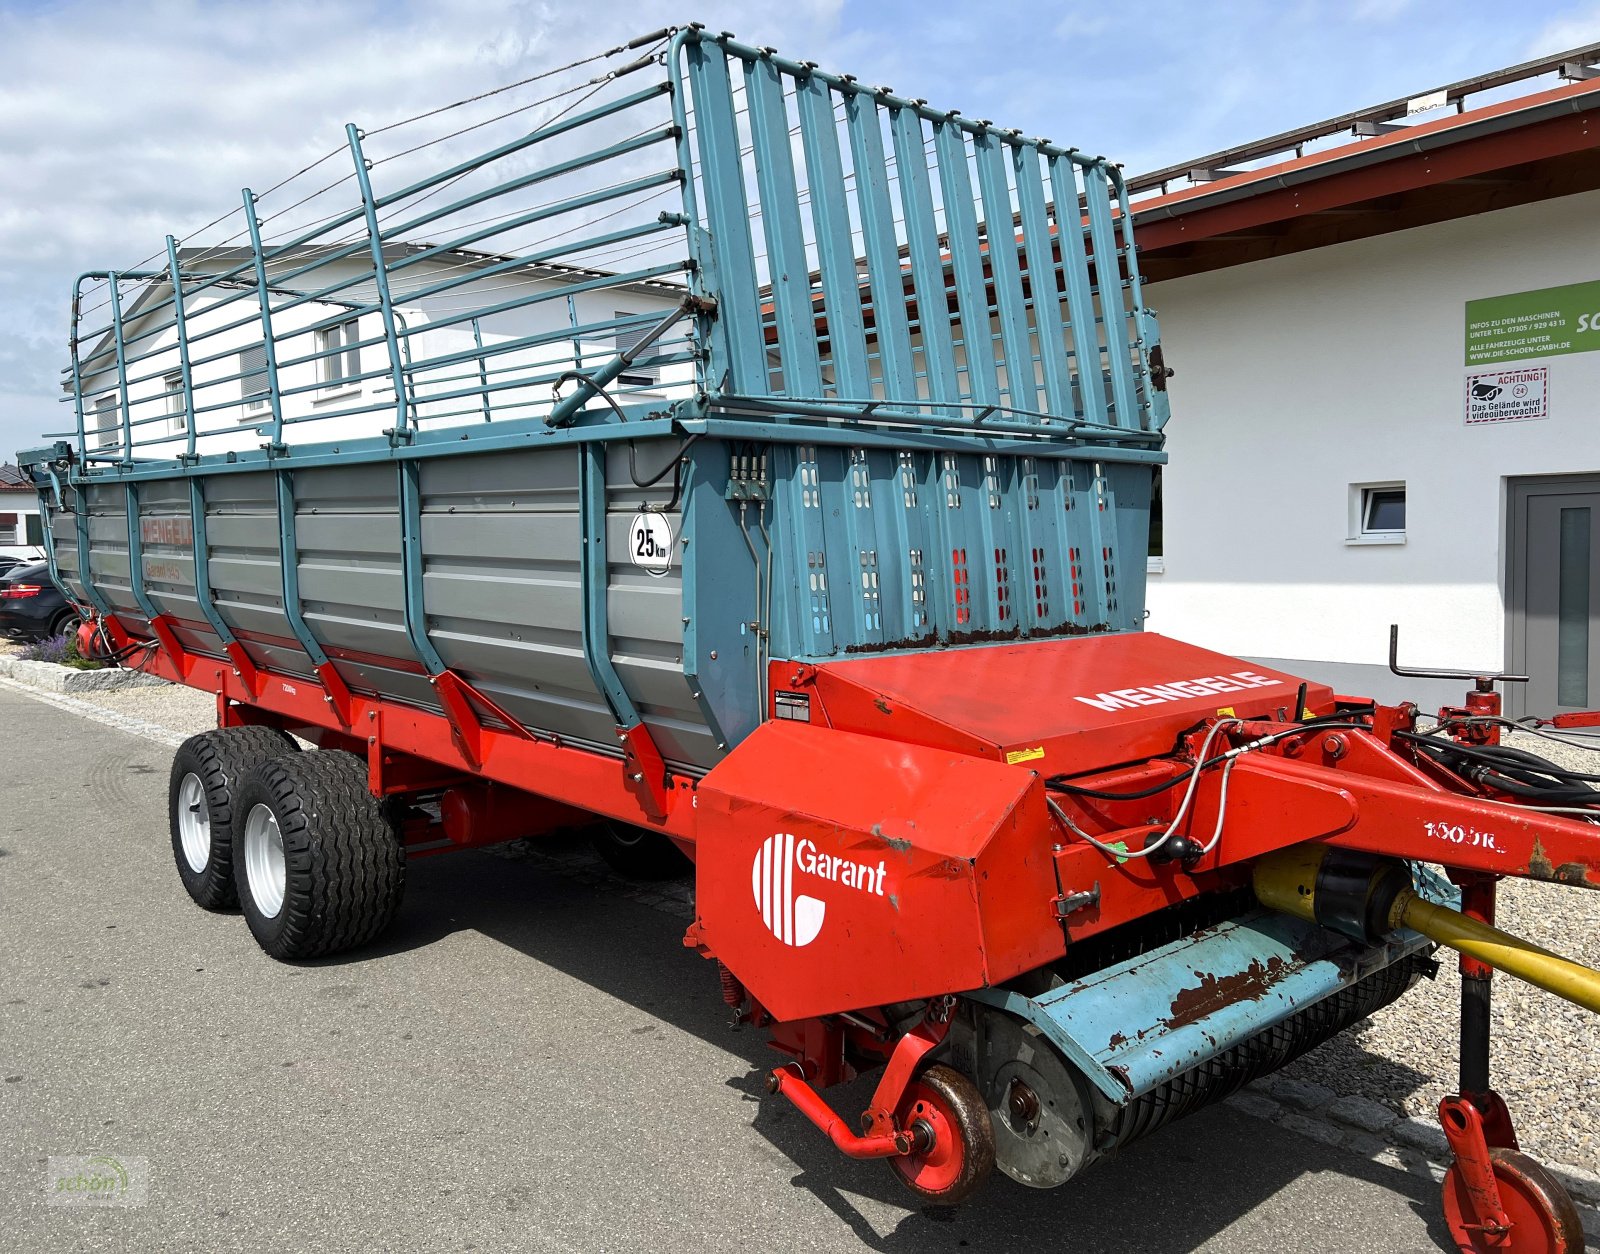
x,y
339,699
243,667
645,767
461,702
880,1138
161,626
1463,1128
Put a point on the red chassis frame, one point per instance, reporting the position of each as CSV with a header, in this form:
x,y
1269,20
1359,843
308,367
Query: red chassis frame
x,y
1324,779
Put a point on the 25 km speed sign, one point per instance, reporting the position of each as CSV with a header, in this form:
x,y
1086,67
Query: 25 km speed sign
x,y
650,542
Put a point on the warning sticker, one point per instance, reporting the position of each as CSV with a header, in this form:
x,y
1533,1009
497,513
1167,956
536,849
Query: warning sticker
x,y
650,542
1014,756
1508,395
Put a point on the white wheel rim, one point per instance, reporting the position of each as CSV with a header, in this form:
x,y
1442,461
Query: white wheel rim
x,y
194,823
263,861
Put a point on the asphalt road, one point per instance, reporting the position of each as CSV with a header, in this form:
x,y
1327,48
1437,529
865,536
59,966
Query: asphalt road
x,y
525,1062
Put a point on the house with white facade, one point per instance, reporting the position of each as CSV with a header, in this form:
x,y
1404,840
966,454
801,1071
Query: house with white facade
x,y
1386,407
489,347
20,527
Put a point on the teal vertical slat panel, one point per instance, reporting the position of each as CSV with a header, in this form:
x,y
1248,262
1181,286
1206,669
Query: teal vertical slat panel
x,y
1043,282
1114,318
927,261
966,263
1080,297
889,517
1155,407
830,216
1021,381
814,599
863,558
722,179
1087,531
889,320
780,221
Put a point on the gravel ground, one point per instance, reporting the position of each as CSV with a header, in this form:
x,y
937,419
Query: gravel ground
x,y
173,707
1546,1057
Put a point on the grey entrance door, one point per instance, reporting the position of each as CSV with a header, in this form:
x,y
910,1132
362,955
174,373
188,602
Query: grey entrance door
x,y
1554,606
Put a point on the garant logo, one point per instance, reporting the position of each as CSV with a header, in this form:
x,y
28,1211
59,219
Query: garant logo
x,y
796,918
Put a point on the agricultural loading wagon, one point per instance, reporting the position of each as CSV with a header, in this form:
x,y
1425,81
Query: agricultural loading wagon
x,y
762,462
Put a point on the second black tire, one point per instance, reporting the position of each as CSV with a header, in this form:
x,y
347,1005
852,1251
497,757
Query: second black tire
x,y
317,858
639,853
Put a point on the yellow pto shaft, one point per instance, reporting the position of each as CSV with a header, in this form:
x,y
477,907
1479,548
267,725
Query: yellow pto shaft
x,y
1501,950
1365,897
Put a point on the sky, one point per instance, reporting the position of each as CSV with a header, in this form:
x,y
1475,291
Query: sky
x,y
122,122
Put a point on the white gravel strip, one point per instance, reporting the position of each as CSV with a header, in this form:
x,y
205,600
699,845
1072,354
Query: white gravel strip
x,y
1546,1052
174,708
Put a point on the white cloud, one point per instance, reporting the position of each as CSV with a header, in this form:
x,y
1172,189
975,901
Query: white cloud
x,y
1570,30
121,123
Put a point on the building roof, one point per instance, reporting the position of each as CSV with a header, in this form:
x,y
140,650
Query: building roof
x,y
1367,173
13,480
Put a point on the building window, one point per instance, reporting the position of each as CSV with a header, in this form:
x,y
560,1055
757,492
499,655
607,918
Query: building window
x,y
107,421
253,381
626,338
342,365
177,415
8,529
1377,513
1155,558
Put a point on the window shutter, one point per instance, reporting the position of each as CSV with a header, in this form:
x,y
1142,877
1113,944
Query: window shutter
x,y
626,338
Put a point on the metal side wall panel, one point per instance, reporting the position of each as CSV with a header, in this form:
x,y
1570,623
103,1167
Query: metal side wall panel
x,y
348,531
500,544
167,557
64,541
645,608
108,551
244,556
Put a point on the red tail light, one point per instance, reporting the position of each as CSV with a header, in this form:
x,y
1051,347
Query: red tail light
x,y
17,591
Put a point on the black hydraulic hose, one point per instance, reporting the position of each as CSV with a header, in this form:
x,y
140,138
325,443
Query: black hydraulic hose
x,y
1062,783
1514,771
674,466
1500,757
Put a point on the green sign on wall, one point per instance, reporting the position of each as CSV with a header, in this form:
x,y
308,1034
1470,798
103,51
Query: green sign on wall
x,y
1546,323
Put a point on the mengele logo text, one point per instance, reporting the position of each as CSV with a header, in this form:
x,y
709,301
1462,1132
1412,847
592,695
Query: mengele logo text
x,y
793,916
1178,690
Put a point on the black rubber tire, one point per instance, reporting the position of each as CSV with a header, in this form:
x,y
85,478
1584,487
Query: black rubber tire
x,y
220,759
64,622
639,853
344,866
961,1110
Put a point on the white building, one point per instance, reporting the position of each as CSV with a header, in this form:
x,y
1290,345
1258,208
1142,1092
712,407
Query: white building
x,y
333,361
20,534
1387,399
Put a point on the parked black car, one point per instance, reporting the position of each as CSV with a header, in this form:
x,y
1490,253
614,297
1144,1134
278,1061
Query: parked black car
x,y
31,606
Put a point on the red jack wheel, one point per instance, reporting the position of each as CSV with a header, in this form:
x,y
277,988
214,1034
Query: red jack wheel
x,y
943,1110
1543,1218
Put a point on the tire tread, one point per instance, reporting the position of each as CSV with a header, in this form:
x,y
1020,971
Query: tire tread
x,y
346,867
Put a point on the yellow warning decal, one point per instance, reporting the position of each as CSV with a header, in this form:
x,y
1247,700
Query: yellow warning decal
x,y
1306,714
1024,755
1227,711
